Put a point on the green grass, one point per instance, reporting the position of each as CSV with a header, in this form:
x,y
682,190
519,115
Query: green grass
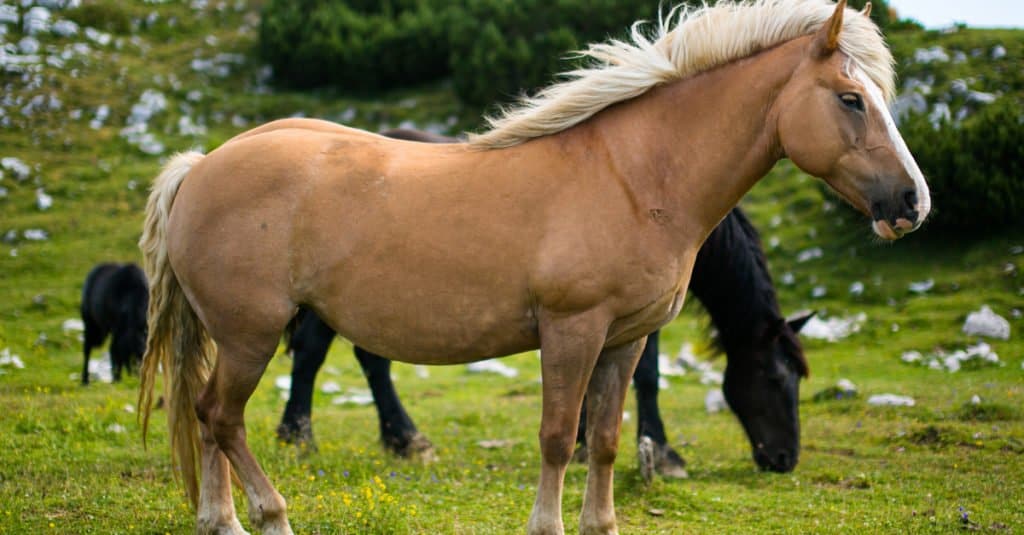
x,y
863,469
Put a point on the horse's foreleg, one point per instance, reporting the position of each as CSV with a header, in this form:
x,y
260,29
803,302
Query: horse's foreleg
x,y
235,376
664,460
398,433
569,348
606,395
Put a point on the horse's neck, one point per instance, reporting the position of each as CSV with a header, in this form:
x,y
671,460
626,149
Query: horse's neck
x,y
692,148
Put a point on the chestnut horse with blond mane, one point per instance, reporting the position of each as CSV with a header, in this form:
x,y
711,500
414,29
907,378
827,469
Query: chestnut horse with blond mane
x,y
570,225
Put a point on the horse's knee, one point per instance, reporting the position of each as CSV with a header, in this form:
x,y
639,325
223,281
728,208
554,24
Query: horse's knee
x,y
603,446
556,446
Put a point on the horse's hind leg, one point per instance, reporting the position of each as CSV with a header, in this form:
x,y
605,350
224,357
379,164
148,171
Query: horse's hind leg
x,y
606,395
221,407
650,431
311,341
92,337
398,433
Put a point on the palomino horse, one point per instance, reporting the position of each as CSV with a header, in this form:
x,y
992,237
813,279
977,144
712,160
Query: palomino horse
x,y
571,225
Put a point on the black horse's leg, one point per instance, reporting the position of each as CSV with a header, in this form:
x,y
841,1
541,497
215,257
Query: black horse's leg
x,y
92,337
398,433
580,455
310,342
662,457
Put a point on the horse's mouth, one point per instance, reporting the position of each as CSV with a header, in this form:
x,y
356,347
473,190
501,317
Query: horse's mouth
x,y
886,231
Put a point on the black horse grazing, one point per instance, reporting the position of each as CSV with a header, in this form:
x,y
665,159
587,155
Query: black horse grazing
x,y
730,277
114,301
764,359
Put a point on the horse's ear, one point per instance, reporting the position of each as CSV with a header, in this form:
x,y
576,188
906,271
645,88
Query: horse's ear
x,y
797,322
867,10
827,38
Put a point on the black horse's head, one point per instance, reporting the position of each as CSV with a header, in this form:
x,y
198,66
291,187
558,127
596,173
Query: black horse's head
x,y
763,390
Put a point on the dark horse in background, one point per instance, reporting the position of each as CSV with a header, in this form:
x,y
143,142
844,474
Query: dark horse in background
x,y
114,302
730,278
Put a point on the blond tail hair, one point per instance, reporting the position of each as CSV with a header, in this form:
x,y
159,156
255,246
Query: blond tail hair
x,y
177,340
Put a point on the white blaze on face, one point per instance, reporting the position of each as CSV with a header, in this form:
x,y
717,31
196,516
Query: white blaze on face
x,y
877,101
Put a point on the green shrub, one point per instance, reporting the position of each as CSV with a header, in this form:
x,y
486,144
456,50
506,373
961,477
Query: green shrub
x,y
974,169
494,50
314,43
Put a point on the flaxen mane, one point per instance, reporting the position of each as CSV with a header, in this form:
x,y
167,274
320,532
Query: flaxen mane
x,y
686,42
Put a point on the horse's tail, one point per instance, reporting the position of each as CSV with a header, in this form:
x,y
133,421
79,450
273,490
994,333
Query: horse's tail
x,y
177,340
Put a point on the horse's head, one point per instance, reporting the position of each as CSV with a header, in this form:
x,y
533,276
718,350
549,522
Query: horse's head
x,y
833,123
763,390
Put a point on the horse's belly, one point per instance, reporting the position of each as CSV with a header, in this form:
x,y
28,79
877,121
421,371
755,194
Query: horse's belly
x,y
436,331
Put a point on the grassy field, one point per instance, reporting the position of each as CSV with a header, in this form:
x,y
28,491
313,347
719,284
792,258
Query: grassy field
x,y
71,458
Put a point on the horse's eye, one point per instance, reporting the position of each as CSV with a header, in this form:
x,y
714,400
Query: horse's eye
x,y
852,101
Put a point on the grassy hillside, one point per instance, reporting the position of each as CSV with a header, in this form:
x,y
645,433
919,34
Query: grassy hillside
x,y
71,460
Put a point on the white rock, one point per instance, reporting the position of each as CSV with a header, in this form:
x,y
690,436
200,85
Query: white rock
x,y
787,278
980,97
908,103
998,52
809,254
940,114
929,55
714,401
421,371
43,200
100,369
911,356
8,14
10,359
891,400
846,385
36,21
28,45
65,28
129,408
35,234
283,382
72,325
669,367
330,387
921,287
818,292
115,428
774,242
353,397
856,288
834,328
663,383
975,399
985,322
492,366
98,37
20,169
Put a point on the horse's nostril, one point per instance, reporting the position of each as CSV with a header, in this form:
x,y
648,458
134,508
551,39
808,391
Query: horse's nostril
x,y
910,200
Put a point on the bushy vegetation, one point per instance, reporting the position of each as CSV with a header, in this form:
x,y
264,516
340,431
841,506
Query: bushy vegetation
x,y
494,50
974,168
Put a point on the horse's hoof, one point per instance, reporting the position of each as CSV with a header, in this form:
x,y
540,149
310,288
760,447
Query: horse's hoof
x,y
669,464
645,456
299,434
419,448
580,455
